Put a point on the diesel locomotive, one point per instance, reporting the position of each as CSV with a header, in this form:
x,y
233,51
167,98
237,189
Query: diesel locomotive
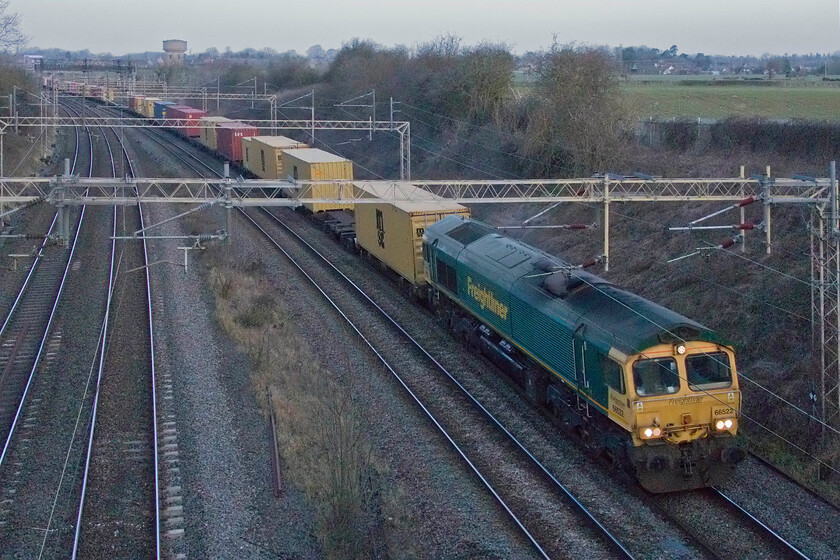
x,y
653,391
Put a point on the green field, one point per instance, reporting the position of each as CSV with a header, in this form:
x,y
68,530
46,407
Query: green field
x,y
812,101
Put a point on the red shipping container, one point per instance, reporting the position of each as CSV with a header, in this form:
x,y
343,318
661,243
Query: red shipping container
x,y
189,113
229,139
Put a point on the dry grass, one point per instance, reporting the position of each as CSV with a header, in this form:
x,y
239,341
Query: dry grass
x,y
321,435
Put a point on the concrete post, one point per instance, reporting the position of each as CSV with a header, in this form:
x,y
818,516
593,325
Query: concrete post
x,y
743,219
228,205
767,212
606,224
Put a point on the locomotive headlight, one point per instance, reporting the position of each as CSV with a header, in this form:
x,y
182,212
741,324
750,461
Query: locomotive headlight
x,y
680,349
652,432
724,424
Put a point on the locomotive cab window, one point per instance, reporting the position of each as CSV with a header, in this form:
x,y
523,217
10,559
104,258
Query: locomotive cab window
x,y
613,374
657,376
708,371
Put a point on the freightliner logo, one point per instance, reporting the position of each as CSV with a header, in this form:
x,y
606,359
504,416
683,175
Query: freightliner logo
x,y
486,299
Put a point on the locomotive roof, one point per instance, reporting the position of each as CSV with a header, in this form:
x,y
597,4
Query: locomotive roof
x,y
613,316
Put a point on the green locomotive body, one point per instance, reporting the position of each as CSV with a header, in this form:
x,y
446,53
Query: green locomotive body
x,y
649,388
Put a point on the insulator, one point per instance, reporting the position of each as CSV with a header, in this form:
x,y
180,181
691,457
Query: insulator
x,y
204,237
577,226
747,201
746,226
590,263
727,244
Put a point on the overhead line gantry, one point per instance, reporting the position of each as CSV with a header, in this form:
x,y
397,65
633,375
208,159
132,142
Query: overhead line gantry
x,y
818,194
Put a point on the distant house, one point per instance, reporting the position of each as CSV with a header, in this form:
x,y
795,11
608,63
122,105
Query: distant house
x,y
678,67
30,61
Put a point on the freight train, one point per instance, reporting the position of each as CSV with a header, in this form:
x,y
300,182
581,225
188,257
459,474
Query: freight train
x,y
651,391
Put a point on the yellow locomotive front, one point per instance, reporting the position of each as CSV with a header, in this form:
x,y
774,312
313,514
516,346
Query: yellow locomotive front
x,y
684,406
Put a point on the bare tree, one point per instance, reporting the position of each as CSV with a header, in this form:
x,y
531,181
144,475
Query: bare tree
x,y
576,119
11,36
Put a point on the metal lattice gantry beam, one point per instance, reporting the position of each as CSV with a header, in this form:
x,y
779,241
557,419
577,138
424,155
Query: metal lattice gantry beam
x,y
402,128
265,192
593,191
200,95
142,122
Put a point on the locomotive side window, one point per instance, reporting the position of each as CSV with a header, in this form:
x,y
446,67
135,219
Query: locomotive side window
x,y
613,376
656,377
708,371
446,276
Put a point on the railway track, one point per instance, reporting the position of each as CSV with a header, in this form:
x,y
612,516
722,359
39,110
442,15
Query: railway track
x,y
799,519
34,388
119,506
50,510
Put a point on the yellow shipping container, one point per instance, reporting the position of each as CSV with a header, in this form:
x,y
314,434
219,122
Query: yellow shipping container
x,y
208,130
393,231
149,106
263,155
317,165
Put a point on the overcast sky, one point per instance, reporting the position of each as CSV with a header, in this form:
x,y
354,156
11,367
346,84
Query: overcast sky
x,y
711,26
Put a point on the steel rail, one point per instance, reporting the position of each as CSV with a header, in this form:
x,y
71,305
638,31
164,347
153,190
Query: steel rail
x,y
154,380
761,524
53,311
103,348
43,243
103,337
787,476
77,536
29,275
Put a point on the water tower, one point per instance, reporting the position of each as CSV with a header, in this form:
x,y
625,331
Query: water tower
x,y
174,50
